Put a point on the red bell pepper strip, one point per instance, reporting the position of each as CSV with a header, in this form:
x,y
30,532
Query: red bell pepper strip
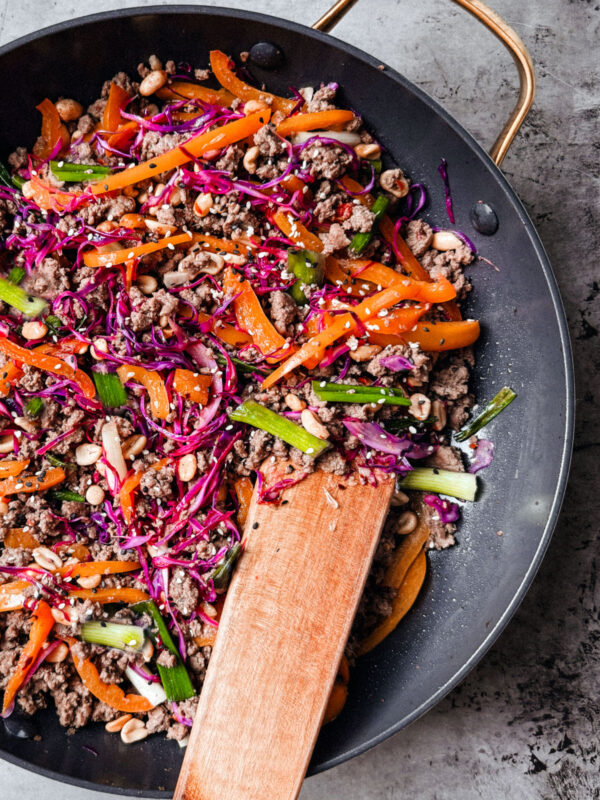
x,y
43,622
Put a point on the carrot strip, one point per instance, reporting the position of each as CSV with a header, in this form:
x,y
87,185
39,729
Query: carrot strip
x,y
408,592
243,491
12,595
192,385
17,537
354,287
219,63
50,199
179,89
151,380
343,325
117,98
64,347
336,702
227,333
398,321
196,146
130,484
90,568
207,639
9,374
52,129
108,693
133,221
12,468
129,596
313,121
434,337
110,258
251,317
296,231
43,622
31,483
48,363
123,135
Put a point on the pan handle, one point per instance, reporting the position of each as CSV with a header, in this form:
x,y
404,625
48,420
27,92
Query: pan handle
x,y
509,39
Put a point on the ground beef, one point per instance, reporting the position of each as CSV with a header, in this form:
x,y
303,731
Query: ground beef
x,y
450,382
231,160
446,458
334,239
441,535
419,373
284,312
158,720
361,220
147,311
418,236
158,484
184,592
322,98
109,208
48,280
166,659
449,264
326,160
155,143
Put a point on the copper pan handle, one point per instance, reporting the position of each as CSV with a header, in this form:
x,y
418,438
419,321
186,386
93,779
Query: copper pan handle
x,y
509,39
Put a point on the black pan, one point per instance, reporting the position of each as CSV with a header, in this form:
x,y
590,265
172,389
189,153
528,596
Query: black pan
x,y
473,589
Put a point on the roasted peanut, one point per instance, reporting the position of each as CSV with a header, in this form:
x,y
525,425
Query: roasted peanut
x,y
68,110
87,454
420,406
407,522
153,81
312,424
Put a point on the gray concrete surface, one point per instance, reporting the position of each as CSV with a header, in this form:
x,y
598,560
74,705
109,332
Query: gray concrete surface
x,y
525,723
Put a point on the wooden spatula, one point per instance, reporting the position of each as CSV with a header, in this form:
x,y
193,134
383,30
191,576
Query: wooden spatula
x,y
284,626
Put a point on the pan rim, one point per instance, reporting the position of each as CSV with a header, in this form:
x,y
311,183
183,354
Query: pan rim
x,y
567,434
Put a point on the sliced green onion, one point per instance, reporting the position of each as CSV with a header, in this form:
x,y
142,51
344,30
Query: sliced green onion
x,y
260,417
34,407
67,495
66,171
361,240
53,323
349,393
17,181
430,479
5,177
55,461
309,269
222,575
243,365
113,634
504,398
110,389
19,299
175,680
16,275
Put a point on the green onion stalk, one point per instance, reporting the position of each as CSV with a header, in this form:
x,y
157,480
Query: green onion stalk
x,y
503,399
113,634
18,298
258,416
77,173
175,680
110,390
462,485
350,393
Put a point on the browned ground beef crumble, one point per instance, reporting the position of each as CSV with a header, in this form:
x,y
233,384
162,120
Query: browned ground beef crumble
x,y
443,377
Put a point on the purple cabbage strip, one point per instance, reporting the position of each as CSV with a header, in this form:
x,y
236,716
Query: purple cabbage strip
x,y
484,455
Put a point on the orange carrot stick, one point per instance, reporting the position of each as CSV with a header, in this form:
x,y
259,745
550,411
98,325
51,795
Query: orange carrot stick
x,y
192,385
117,98
48,363
52,129
12,468
434,337
313,121
31,483
179,89
243,491
251,317
127,595
108,693
196,146
219,63
296,231
43,622
151,380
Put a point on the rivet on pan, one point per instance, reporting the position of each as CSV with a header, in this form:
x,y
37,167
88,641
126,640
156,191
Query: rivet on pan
x,y
266,55
483,218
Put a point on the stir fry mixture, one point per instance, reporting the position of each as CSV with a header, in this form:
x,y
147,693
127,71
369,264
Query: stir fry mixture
x,y
204,288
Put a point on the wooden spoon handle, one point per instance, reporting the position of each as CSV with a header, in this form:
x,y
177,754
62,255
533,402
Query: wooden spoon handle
x,y
285,623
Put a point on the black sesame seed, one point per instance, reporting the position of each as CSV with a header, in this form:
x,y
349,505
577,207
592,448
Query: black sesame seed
x,y
255,526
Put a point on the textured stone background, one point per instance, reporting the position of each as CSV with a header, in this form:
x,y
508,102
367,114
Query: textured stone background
x,y
525,723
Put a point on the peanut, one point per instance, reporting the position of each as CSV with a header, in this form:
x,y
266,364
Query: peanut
x,y
116,725
153,81
87,454
68,110
420,406
312,424
407,522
